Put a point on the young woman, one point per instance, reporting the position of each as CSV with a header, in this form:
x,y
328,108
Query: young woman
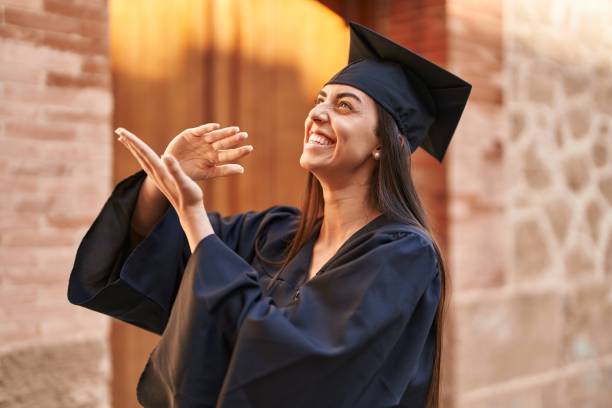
x,y
337,304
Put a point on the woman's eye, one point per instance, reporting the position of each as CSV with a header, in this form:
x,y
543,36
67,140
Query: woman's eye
x,y
344,104
347,105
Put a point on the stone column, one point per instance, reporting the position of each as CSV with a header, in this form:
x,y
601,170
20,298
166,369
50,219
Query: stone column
x,y
531,220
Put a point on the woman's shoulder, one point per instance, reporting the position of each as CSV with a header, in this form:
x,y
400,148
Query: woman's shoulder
x,y
281,215
406,232
404,240
280,212
279,220
407,252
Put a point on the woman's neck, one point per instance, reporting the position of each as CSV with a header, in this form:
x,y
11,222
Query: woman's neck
x,y
346,211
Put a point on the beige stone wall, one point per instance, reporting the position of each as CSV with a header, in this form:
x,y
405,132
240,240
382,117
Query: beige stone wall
x,y
531,207
55,170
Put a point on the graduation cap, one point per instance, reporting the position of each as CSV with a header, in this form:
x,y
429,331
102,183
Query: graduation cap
x,y
425,100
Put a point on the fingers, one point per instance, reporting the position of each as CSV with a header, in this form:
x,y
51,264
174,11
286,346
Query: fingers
x,y
189,193
147,158
203,129
233,154
146,166
227,170
149,161
223,138
221,134
230,141
180,178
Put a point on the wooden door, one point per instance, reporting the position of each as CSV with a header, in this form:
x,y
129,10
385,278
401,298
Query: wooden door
x,y
255,64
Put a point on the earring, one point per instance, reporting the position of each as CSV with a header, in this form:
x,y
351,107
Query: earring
x,y
376,155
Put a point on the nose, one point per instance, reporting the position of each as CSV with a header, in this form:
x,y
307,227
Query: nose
x,y
318,113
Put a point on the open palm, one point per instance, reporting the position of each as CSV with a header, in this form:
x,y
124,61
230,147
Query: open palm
x,y
208,151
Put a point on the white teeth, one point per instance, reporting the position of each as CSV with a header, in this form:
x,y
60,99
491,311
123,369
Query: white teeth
x,y
314,138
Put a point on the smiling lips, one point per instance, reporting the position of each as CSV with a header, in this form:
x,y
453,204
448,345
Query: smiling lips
x,y
318,139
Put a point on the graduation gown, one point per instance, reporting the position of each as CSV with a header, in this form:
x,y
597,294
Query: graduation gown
x,y
361,333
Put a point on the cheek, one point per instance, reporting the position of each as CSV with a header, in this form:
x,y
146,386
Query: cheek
x,y
354,140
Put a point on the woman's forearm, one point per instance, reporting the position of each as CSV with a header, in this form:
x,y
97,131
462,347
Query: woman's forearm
x,y
150,207
196,226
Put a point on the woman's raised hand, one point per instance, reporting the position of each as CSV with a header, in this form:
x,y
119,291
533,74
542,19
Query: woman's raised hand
x,y
168,175
183,193
208,151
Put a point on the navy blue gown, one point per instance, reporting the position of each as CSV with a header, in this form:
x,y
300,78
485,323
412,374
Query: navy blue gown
x,y
361,333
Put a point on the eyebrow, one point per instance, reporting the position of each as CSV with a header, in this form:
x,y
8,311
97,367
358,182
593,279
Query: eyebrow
x,y
341,94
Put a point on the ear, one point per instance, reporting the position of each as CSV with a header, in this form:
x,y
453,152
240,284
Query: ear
x,y
402,140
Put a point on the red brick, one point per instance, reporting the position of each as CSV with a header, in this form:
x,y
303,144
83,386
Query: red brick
x,y
81,81
9,184
10,109
95,64
94,99
49,167
58,256
40,21
56,40
427,12
482,9
68,221
31,204
414,5
11,332
72,9
20,33
35,238
26,75
32,312
31,56
38,275
24,220
53,22
89,154
68,116
24,4
32,149
38,131
81,45
16,295
10,257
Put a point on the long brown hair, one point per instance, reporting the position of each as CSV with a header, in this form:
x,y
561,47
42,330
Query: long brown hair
x,y
393,193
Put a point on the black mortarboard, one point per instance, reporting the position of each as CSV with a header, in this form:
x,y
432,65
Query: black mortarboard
x,y
425,100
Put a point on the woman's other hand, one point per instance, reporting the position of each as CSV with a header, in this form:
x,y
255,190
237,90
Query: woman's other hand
x,y
182,192
208,151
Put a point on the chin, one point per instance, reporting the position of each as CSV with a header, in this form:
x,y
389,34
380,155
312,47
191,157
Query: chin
x,y
307,163
304,163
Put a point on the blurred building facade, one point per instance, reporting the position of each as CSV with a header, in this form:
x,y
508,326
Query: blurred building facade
x,y
521,205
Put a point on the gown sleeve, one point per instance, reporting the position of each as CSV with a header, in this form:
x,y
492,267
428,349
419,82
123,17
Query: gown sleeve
x,y
138,285
324,349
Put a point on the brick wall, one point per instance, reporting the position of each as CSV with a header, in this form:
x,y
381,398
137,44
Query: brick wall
x,y
55,169
420,26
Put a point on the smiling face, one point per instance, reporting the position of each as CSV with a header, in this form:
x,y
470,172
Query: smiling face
x,y
340,134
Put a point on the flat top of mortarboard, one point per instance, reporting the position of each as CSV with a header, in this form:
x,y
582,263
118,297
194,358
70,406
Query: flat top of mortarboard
x,y
448,92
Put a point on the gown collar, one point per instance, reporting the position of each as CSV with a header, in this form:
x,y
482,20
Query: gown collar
x,y
307,250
